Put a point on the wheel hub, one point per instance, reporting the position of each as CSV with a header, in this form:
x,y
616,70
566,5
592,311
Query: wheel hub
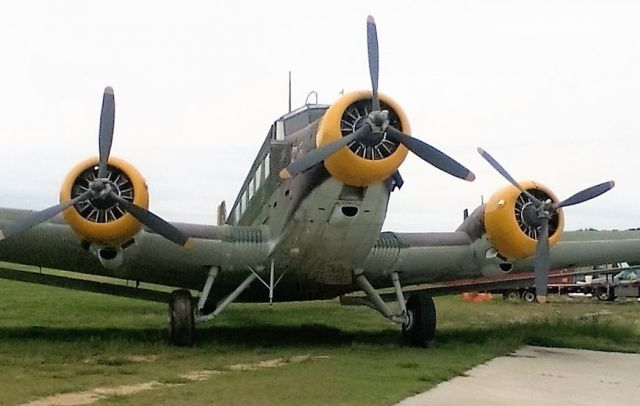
x,y
408,324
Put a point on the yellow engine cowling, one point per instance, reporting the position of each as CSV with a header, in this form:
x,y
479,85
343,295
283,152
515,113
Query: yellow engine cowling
x,y
504,222
345,165
111,230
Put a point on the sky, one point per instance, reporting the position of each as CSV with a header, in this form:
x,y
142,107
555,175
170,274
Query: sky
x,y
550,88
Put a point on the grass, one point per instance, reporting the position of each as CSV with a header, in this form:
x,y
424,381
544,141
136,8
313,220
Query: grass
x,y
58,341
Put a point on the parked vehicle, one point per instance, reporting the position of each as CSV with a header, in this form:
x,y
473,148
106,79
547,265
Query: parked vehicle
x,y
608,287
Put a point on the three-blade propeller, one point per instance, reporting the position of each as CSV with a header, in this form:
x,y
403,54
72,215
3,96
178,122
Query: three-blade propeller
x,y
100,188
377,123
545,211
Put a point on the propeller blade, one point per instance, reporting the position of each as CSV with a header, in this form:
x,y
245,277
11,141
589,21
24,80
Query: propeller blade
x,y
25,224
374,69
154,222
587,194
105,135
542,262
318,155
506,175
431,155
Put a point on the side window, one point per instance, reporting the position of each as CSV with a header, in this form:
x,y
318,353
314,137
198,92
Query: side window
x,y
266,166
279,130
260,174
243,203
251,188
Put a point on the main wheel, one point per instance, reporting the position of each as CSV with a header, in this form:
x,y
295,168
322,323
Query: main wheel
x,y
529,296
181,318
420,328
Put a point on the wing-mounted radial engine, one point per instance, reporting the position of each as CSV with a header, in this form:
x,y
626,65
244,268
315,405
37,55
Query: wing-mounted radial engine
x,y
104,220
512,223
104,199
526,218
376,133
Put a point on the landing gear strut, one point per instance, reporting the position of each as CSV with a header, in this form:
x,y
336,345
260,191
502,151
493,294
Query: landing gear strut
x,y
181,318
183,314
417,315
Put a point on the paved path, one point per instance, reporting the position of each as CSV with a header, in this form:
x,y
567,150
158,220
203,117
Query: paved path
x,y
543,376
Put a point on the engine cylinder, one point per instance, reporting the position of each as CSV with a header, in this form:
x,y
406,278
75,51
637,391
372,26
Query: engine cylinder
x,y
368,161
510,220
103,221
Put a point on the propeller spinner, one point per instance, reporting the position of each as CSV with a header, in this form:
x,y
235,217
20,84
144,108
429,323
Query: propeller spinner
x,y
100,191
541,216
377,126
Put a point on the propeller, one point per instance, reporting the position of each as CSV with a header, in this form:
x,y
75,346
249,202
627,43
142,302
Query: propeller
x,y
377,126
105,134
544,211
100,190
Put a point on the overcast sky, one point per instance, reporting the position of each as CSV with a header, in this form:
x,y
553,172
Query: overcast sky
x,y
550,88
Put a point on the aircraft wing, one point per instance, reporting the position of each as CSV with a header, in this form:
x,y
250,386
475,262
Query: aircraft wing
x,y
147,258
457,258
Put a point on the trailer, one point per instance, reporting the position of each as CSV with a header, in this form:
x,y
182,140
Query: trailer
x,y
609,285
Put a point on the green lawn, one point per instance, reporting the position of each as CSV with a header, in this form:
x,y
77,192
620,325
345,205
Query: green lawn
x,y
58,341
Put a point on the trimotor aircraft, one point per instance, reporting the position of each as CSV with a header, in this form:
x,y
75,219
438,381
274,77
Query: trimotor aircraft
x,y
306,225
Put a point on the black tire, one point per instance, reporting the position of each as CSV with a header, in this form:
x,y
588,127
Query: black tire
x,y
605,294
602,294
511,294
181,318
529,296
420,328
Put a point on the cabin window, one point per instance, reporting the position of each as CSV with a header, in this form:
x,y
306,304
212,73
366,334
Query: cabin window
x,y
243,202
251,189
266,167
260,174
279,130
254,183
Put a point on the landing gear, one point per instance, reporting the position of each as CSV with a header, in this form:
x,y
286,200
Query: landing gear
x,y
181,318
420,327
417,315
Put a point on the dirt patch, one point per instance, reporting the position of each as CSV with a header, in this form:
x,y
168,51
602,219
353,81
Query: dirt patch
x,y
93,395
199,376
271,363
142,358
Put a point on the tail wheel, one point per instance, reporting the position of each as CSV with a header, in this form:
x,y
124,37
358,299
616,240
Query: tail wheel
x,y
181,318
420,328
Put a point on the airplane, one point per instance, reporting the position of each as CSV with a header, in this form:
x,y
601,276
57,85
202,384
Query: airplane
x,y
305,225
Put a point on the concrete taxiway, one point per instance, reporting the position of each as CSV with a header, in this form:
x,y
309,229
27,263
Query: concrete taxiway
x,y
548,376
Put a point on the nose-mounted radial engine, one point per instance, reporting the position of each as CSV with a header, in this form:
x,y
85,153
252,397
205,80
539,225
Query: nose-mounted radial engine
x,y
527,219
376,132
104,199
